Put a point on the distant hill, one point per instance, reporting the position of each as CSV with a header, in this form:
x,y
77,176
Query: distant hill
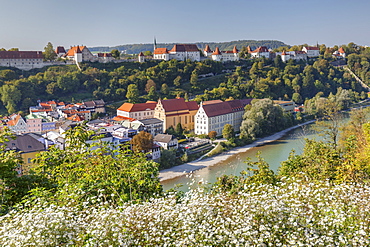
x,y
137,48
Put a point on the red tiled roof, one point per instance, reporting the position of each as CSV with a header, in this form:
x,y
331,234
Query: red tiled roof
x,y
217,109
212,102
76,118
184,48
283,53
104,54
236,105
21,55
160,51
121,118
207,49
129,107
192,105
312,48
217,52
179,104
261,49
341,50
71,52
40,110
60,49
235,50
141,54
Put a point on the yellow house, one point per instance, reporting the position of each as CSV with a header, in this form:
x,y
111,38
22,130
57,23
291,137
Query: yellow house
x,y
174,111
28,146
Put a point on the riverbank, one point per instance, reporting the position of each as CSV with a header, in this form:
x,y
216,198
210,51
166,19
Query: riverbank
x,y
181,170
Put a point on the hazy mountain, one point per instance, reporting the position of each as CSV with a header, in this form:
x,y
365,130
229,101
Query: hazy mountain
x,y
136,48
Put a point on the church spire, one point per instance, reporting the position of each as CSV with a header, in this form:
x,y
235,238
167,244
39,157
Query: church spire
x,y
155,44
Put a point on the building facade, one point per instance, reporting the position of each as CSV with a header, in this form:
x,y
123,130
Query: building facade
x,y
311,51
136,111
180,52
24,60
214,115
174,111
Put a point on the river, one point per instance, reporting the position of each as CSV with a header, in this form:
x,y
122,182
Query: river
x,y
273,153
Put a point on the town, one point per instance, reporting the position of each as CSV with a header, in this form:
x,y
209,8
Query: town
x,y
46,123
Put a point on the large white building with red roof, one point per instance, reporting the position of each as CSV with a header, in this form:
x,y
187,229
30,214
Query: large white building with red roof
x,y
261,51
80,54
312,51
214,115
180,52
129,111
222,56
24,60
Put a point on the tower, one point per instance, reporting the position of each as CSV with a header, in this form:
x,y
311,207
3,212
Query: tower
x,y
78,55
155,44
141,57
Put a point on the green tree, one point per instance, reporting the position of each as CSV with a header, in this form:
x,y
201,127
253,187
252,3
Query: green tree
x,y
152,94
177,81
49,53
116,53
148,53
262,117
164,89
179,130
297,98
228,132
194,79
10,96
87,168
168,158
132,93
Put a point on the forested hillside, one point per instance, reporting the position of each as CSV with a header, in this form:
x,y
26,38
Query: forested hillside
x,y
137,48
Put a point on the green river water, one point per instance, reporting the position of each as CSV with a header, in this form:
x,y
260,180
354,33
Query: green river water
x,y
273,153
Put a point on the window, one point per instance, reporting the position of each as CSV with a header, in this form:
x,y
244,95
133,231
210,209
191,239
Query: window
x,y
29,160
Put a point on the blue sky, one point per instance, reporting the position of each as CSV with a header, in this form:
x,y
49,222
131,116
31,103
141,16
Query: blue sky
x,y
29,25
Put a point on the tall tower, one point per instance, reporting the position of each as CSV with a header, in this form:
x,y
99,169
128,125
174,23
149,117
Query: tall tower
x,y
155,44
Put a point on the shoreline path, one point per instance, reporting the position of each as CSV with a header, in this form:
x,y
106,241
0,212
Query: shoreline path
x,y
182,170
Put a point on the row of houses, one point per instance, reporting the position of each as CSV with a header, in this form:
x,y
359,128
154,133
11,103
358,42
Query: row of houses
x,y
46,116
27,60
304,54
112,133
203,118
191,51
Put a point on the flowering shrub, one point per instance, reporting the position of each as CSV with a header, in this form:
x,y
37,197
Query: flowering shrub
x,y
290,213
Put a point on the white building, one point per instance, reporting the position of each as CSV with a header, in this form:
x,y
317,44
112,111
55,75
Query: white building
x,y
17,124
166,141
288,106
213,115
294,55
207,51
80,54
261,51
340,53
105,57
129,111
24,60
141,57
224,56
311,51
180,52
